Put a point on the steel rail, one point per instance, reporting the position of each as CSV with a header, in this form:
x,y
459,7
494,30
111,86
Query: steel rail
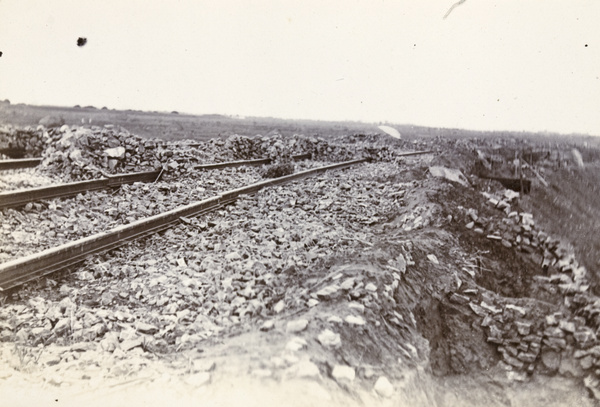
x,y
240,163
415,153
22,270
19,163
21,197
191,145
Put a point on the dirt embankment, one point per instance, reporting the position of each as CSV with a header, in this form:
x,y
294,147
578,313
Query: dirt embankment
x,y
570,209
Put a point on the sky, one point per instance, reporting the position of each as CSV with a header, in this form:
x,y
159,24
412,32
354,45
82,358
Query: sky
x,y
525,65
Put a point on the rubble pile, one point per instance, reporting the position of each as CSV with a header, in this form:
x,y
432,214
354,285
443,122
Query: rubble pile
x,y
79,153
243,147
280,149
379,147
31,140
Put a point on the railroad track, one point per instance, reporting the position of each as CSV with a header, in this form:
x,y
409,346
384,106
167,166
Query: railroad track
x,y
416,153
19,163
259,161
22,197
34,162
22,270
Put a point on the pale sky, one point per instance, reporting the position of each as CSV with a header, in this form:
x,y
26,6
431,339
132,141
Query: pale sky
x,y
491,65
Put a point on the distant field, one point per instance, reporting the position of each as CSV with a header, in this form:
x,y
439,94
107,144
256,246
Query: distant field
x,y
175,126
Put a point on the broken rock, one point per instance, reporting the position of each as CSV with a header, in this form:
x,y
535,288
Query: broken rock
x,y
355,320
296,326
279,306
490,308
233,256
519,310
567,326
524,328
593,385
432,258
348,284
296,343
357,306
554,332
267,325
110,342
584,337
312,302
328,338
328,292
477,310
307,369
526,357
551,360
144,328
383,387
130,344
449,174
62,326
335,318
586,362
116,152
514,361
570,367
371,287
343,373
459,299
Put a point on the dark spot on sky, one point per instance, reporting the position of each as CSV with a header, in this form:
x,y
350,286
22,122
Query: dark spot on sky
x,y
586,45
0,53
81,41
